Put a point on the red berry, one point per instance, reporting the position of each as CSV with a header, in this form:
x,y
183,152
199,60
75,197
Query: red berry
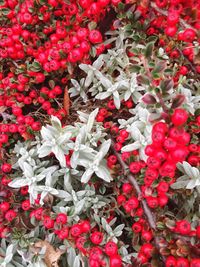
x,y
61,218
179,117
10,215
171,261
115,261
96,238
111,248
127,188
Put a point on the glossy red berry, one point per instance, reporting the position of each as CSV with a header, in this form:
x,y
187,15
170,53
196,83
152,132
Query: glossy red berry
x,y
179,117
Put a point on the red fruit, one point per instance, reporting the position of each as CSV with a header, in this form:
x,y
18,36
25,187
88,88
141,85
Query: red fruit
x,y
171,261
10,215
96,238
182,262
162,187
162,200
6,167
48,222
151,174
96,254
127,188
157,137
150,150
103,112
61,218
183,70
179,117
183,227
26,204
137,227
172,18
4,206
189,35
115,261
95,37
152,202
168,169
124,134
64,232
153,163
36,126
179,154
133,203
121,199
160,127
76,230
135,167
170,31
112,159
195,263
3,138
142,258
75,55
170,144
118,146
85,226
111,248
193,147
147,250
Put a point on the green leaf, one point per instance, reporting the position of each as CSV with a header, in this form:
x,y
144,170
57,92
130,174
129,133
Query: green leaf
x,y
149,49
5,11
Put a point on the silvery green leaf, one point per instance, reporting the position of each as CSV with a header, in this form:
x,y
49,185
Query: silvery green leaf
x,y
180,183
64,194
116,99
103,173
59,154
104,148
44,151
71,254
79,206
187,168
47,133
127,95
193,183
106,226
135,133
56,123
76,262
103,95
87,175
136,145
118,230
28,170
17,183
91,120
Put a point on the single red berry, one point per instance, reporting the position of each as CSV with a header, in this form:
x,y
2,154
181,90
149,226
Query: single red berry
x,y
115,261
171,261
179,117
96,238
111,248
61,218
10,215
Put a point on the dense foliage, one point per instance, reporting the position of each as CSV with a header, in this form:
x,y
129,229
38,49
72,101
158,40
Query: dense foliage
x,y
99,133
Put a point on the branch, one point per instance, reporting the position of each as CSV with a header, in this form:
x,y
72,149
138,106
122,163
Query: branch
x,y
147,211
